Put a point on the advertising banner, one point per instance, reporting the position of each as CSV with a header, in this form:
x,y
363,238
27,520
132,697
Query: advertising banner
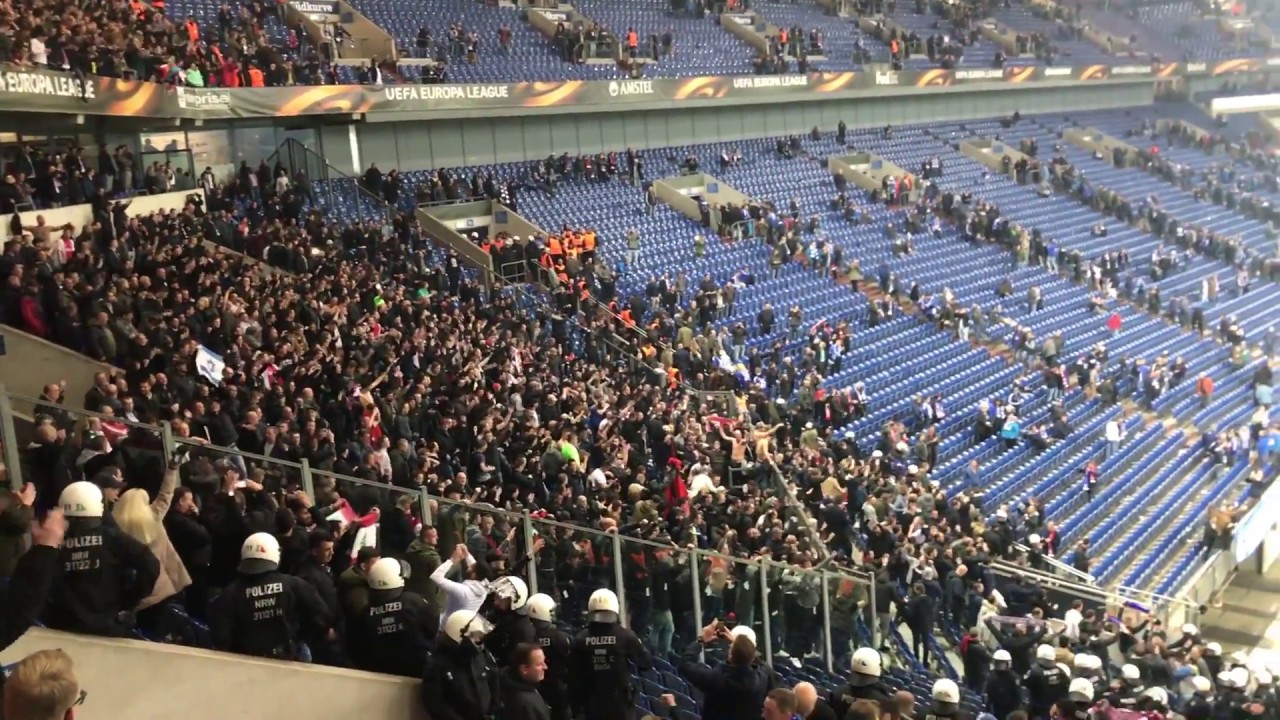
x,y
40,90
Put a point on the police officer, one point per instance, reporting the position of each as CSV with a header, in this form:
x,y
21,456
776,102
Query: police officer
x,y
1046,683
460,681
1154,700
1232,700
394,633
508,596
1265,693
1090,666
602,687
556,647
1077,702
1200,705
1004,694
1127,689
946,701
864,683
102,573
264,612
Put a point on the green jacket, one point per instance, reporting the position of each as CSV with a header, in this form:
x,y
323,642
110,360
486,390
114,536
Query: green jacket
x,y
423,559
353,591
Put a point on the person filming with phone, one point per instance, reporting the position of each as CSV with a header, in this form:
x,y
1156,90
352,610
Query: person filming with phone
x,y
735,689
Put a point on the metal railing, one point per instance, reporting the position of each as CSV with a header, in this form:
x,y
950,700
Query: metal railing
x,y
823,611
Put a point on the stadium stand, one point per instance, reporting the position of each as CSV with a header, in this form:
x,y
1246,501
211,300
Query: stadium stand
x,y
1014,393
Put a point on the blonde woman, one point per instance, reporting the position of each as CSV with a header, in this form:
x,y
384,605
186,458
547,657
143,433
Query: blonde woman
x,y
143,519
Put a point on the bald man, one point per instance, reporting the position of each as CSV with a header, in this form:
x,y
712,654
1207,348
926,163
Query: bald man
x,y
810,706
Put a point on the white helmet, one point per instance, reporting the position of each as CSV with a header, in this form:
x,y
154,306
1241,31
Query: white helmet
x,y
1130,672
1226,679
81,499
1201,684
1080,690
1081,661
260,553
1240,677
743,631
1158,695
946,691
1003,656
1045,653
512,588
466,623
1213,648
385,575
1190,629
541,607
1262,677
866,662
603,606
1033,539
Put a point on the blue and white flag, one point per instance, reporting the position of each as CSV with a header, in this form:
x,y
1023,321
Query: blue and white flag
x,y
210,365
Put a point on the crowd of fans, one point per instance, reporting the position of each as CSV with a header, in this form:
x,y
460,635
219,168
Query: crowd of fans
x,y
374,357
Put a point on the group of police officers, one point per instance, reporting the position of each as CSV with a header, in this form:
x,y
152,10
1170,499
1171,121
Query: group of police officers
x,y
508,660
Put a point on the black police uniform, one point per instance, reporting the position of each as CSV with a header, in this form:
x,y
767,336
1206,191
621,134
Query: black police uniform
x,y
1046,685
845,696
102,573
510,629
267,615
1197,708
459,682
602,688
558,648
1126,696
394,633
1004,693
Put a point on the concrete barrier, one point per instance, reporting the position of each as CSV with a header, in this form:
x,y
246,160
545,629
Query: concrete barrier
x,y
1163,125
681,192
1004,37
992,153
30,363
81,215
750,28
136,679
1094,140
868,170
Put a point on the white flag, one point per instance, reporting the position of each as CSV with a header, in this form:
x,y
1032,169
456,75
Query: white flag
x,y
209,364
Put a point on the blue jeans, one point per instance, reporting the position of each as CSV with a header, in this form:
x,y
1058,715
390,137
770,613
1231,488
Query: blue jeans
x,y
661,629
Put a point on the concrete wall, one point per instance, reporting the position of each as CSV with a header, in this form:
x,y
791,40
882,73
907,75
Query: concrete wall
x,y
1095,140
80,215
678,191
545,20
441,225
861,170
1000,35
30,363
1195,130
991,153
750,28
135,679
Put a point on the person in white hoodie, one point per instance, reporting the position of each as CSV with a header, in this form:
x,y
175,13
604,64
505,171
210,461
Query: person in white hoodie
x,y
466,595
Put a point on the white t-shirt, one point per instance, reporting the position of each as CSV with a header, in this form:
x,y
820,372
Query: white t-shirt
x,y
39,55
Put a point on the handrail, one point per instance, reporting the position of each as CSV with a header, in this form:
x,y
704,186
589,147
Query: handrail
x,y
1106,593
855,574
1060,566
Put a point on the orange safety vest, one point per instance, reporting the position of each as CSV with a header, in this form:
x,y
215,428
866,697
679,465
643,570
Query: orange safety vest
x,y
256,78
589,242
554,247
893,47
626,317
193,31
632,39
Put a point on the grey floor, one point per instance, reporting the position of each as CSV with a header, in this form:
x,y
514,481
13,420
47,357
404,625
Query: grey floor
x,y
1249,618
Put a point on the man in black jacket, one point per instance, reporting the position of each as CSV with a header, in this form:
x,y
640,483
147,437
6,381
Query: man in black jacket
x,y
31,581
734,690
518,697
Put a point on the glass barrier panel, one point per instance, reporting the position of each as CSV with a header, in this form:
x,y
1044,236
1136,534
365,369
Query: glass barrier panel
x,y
574,562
